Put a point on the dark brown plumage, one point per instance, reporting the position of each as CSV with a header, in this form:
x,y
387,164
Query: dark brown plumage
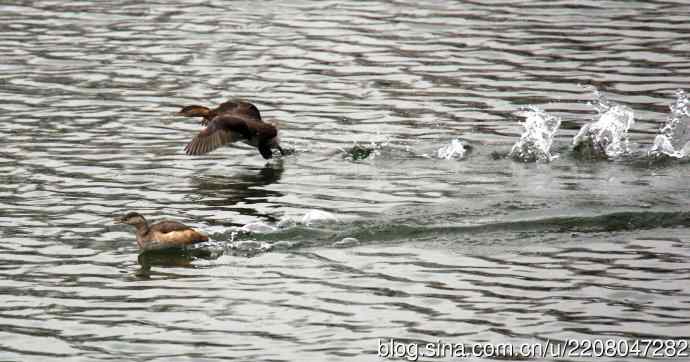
x,y
234,107
163,234
231,121
228,128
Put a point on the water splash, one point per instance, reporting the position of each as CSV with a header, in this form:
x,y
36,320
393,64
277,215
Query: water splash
x,y
535,142
247,240
258,227
360,152
453,151
608,136
674,140
310,218
247,247
313,217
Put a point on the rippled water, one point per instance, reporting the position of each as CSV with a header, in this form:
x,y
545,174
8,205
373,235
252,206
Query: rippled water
x,y
363,233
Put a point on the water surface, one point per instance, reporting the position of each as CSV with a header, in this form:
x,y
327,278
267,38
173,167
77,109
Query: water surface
x,y
481,249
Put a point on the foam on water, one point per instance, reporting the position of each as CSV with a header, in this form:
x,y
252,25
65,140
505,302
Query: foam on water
x,y
249,246
309,218
248,239
608,136
535,142
346,243
674,138
313,217
258,227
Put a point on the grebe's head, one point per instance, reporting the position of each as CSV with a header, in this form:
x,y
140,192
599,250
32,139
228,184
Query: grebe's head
x,y
193,111
131,218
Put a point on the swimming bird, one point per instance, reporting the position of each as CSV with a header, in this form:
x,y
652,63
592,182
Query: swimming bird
x,y
163,234
236,107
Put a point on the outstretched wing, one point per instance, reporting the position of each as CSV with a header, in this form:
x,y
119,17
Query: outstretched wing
x,y
222,130
226,129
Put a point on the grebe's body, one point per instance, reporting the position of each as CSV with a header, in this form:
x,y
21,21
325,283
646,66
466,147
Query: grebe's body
x,y
163,234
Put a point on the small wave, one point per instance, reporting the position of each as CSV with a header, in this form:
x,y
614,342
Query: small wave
x,y
535,143
346,243
258,227
405,230
251,238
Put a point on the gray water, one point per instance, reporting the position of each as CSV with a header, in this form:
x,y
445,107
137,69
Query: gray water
x,y
479,250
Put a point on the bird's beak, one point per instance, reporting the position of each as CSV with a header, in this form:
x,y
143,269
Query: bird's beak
x,y
118,220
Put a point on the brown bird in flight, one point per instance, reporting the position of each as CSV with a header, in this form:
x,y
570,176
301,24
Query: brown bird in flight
x,y
230,122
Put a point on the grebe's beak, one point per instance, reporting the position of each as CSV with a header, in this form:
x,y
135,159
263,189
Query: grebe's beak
x,y
118,220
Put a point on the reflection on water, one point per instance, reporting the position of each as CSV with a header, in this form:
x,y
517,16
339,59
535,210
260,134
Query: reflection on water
x,y
239,191
177,257
467,248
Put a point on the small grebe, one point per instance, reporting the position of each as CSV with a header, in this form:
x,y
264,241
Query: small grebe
x,y
163,234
